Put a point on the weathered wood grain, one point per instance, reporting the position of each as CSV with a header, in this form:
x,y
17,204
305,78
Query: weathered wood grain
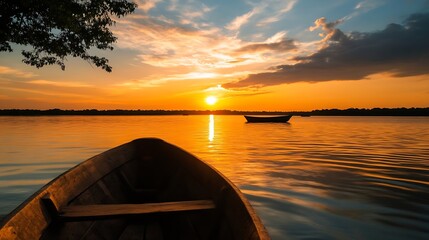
x,y
115,210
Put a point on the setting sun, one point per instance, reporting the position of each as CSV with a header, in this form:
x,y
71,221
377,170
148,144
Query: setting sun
x,y
211,100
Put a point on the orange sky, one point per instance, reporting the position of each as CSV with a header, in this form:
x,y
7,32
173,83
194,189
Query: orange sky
x,y
171,56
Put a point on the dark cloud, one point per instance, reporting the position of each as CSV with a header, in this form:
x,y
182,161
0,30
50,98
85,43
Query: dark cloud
x,y
281,46
248,94
402,50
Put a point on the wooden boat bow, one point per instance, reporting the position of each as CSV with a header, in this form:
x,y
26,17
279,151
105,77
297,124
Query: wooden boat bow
x,y
144,184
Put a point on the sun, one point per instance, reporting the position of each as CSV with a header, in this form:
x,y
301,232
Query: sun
x,y
211,100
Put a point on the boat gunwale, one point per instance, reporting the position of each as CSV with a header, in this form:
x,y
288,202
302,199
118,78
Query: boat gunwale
x,y
43,191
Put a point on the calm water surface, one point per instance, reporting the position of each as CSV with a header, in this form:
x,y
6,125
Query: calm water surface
x,y
315,178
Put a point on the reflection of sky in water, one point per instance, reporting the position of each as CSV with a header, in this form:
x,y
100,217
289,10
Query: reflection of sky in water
x,y
318,177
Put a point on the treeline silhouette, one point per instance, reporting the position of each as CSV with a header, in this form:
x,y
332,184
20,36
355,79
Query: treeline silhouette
x,y
373,112
120,112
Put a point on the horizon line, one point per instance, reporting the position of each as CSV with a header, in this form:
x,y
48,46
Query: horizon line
x,y
123,112
211,110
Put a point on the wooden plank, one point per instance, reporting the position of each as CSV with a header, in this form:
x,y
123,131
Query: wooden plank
x,y
83,212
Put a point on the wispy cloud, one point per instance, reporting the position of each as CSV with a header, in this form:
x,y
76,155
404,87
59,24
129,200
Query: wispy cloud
x,y
224,93
368,5
147,5
60,84
185,38
15,72
191,12
241,20
276,14
365,6
169,44
51,93
158,80
60,95
166,43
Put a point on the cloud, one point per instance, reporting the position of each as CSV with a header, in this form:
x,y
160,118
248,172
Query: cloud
x,y
196,13
189,6
330,32
326,26
60,95
283,45
15,72
401,50
158,79
147,5
184,37
222,92
170,43
270,51
47,93
368,5
60,84
365,6
166,43
276,14
241,20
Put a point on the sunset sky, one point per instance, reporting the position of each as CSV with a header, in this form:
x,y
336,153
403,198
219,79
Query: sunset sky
x,y
250,55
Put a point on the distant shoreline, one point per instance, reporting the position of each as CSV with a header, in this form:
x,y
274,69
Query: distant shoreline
x,y
120,112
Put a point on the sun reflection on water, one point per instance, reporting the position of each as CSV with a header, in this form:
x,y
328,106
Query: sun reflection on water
x,y
211,128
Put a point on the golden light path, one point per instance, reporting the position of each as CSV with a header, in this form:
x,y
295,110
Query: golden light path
x,y
211,127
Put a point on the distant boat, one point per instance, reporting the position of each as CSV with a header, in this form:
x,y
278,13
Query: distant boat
x,y
305,115
259,119
144,189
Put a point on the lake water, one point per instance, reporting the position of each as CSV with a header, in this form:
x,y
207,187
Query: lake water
x,y
315,178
